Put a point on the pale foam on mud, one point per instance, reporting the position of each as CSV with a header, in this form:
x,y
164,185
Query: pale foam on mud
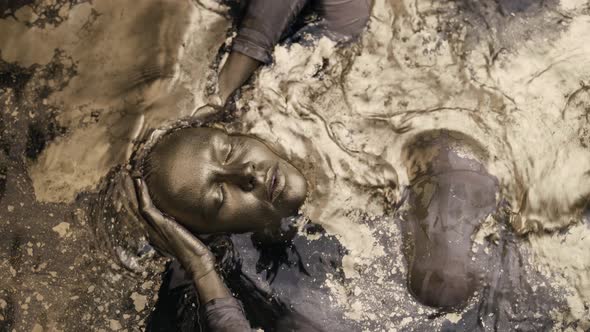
x,y
345,116
524,109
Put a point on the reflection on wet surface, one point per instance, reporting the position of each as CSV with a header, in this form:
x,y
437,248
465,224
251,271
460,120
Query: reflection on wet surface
x,y
503,82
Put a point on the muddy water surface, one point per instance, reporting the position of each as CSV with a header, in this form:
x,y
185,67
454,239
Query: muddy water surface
x,y
80,81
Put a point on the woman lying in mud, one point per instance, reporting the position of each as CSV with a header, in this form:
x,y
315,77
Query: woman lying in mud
x,y
241,185
209,182
241,199
205,183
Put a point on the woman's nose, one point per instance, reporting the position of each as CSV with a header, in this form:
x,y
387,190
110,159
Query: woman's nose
x,y
243,176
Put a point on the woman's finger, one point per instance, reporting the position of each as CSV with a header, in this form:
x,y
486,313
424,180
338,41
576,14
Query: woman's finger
x,y
180,241
146,206
142,193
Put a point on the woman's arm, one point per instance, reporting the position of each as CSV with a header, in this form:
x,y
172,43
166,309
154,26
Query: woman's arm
x,y
261,29
237,69
223,312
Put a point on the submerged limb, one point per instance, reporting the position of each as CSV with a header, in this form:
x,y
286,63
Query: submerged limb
x,y
347,18
236,71
261,29
448,203
263,26
265,23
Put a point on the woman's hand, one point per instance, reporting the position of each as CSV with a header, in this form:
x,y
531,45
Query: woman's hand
x,y
194,256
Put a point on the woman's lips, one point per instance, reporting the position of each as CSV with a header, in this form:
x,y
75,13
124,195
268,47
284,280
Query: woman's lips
x,y
275,182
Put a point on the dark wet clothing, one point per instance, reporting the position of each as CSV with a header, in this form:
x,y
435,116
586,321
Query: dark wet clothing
x,y
280,287
226,315
448,205
265,22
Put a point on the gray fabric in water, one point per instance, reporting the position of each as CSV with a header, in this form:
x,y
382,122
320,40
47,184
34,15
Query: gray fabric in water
x,y
265,23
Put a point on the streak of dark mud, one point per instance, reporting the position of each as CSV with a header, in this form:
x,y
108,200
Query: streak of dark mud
x,y
31,120
41,13
4,150
9,7
503,24
14,77
47,256
40,132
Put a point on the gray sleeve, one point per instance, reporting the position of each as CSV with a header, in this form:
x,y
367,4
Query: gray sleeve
x,y
346,17
263,25
226,315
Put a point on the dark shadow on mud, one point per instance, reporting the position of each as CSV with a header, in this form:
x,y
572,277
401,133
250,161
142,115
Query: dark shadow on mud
x,y
9,7
4,150
14,77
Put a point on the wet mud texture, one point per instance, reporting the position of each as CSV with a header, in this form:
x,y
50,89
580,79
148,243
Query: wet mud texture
x,y
80,81
53,275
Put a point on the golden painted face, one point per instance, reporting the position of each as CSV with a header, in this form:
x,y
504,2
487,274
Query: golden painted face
x,y
213,182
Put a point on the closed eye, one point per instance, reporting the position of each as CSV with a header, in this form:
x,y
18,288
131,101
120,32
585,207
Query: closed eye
x,y
221,196
229,153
